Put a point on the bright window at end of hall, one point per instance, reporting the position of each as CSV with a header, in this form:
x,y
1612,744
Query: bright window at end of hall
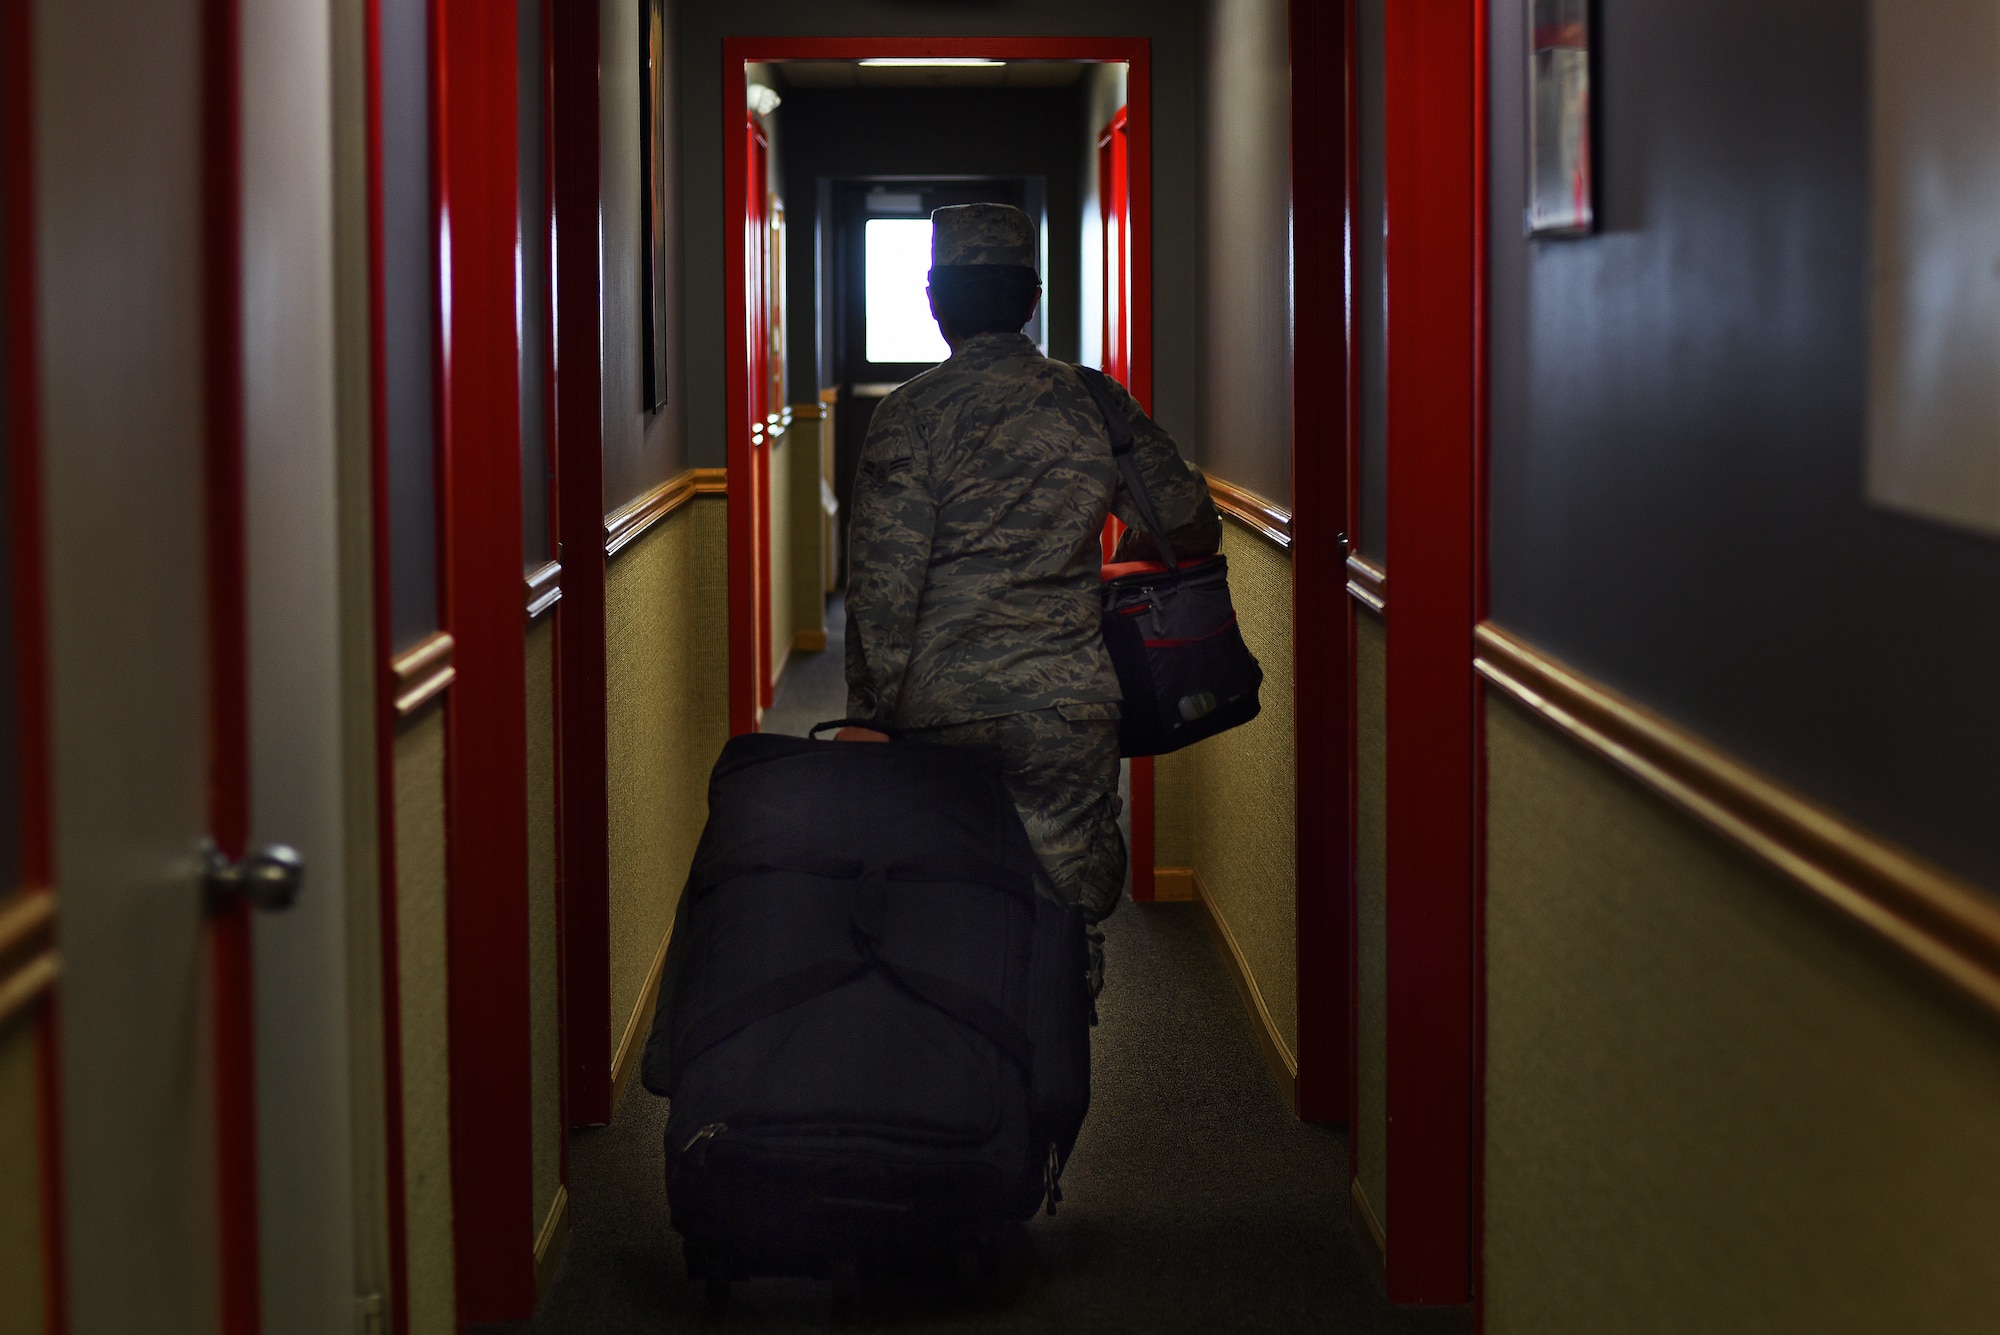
x,y
900,327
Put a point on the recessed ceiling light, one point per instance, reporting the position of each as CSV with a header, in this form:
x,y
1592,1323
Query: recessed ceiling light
x,y
933,62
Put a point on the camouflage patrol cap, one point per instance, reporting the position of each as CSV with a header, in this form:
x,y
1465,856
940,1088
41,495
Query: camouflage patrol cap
x,y
982,234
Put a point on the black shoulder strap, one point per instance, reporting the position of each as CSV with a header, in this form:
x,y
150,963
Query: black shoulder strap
x,y
1120,428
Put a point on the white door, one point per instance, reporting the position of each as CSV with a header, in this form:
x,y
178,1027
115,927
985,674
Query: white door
x,y
177,1092
118,212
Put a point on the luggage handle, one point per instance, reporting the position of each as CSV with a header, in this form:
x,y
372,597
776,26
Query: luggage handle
x,y
889,730
1120,428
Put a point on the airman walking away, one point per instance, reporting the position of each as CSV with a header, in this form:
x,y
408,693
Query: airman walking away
x,y
972,604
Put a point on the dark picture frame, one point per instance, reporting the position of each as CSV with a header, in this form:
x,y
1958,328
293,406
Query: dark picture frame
x,y
653,202
1562,181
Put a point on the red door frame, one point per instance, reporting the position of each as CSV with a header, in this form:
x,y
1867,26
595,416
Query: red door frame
x,y
1322,619
583,774
1435,169
24,501
1114,194
1351,463
736,52
476,163
229,666
757,314
1114,206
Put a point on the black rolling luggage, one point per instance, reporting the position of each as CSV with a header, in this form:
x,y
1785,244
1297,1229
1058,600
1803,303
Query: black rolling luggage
x,y
876,1038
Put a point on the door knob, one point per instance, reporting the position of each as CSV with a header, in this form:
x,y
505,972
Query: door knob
x,y
269,878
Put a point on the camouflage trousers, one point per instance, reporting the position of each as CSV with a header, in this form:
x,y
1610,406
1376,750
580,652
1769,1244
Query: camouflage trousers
x,y
1061,765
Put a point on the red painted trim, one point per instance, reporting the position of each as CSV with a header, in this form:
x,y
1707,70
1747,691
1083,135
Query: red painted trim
x,y
579,509
486,774
769,48
1434,209
1351,201
228,672
1481,593
1351,466
387,898
1323,740
744,685
24,483
547,239
757,252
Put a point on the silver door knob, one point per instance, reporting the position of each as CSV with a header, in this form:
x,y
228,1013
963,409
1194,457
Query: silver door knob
x,y
269,877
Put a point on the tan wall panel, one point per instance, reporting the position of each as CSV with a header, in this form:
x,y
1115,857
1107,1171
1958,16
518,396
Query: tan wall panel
x,y
1710,1105
544,1004
1371,740
420,949
667,707
1240,808
20,1181
1174,779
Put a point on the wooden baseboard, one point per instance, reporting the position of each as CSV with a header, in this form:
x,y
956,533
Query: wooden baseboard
x,y
1277,1055
1368,1230
625,1062
551,1242
1173,885
809,641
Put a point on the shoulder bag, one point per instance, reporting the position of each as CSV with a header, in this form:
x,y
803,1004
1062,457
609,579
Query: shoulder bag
x,y
1170,626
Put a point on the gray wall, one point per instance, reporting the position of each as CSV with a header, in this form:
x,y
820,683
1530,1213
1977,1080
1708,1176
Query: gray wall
x,y
1678,424
409,301
1249,414
10,759
641,449
1177,31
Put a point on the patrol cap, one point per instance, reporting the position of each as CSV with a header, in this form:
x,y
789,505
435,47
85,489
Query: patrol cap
x,y
964,234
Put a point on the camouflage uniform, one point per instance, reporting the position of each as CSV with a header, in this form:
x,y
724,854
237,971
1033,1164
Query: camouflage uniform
x,y
972,604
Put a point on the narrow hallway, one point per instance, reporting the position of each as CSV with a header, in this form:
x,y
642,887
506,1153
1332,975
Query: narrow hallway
x,y
1195,1199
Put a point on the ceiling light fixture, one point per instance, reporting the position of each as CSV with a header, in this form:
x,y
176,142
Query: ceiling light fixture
x,y
933,62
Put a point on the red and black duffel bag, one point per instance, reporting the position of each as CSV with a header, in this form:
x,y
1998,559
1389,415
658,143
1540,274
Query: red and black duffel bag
x,y
1170,626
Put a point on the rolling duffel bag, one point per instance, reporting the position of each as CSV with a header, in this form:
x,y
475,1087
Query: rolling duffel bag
x,y
873,1032
1170,627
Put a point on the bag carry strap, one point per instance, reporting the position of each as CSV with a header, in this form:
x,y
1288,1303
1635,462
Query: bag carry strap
x,y
886,729
1120,428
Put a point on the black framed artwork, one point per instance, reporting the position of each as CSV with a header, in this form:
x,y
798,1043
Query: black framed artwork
x,y
1561,185
653,202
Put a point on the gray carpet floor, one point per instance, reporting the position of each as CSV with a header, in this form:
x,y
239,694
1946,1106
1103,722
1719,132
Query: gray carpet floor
x,y
1195,1201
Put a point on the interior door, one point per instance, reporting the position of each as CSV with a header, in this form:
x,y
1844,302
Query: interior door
x,y
120,225
291,582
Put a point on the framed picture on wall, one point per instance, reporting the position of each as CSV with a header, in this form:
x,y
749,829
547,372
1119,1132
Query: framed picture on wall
x,y
1561,185
653,201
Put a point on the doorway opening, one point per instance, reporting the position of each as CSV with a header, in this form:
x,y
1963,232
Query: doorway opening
x,y
840,148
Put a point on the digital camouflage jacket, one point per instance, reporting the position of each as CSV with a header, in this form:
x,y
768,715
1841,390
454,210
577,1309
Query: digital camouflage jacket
x,y
973,547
